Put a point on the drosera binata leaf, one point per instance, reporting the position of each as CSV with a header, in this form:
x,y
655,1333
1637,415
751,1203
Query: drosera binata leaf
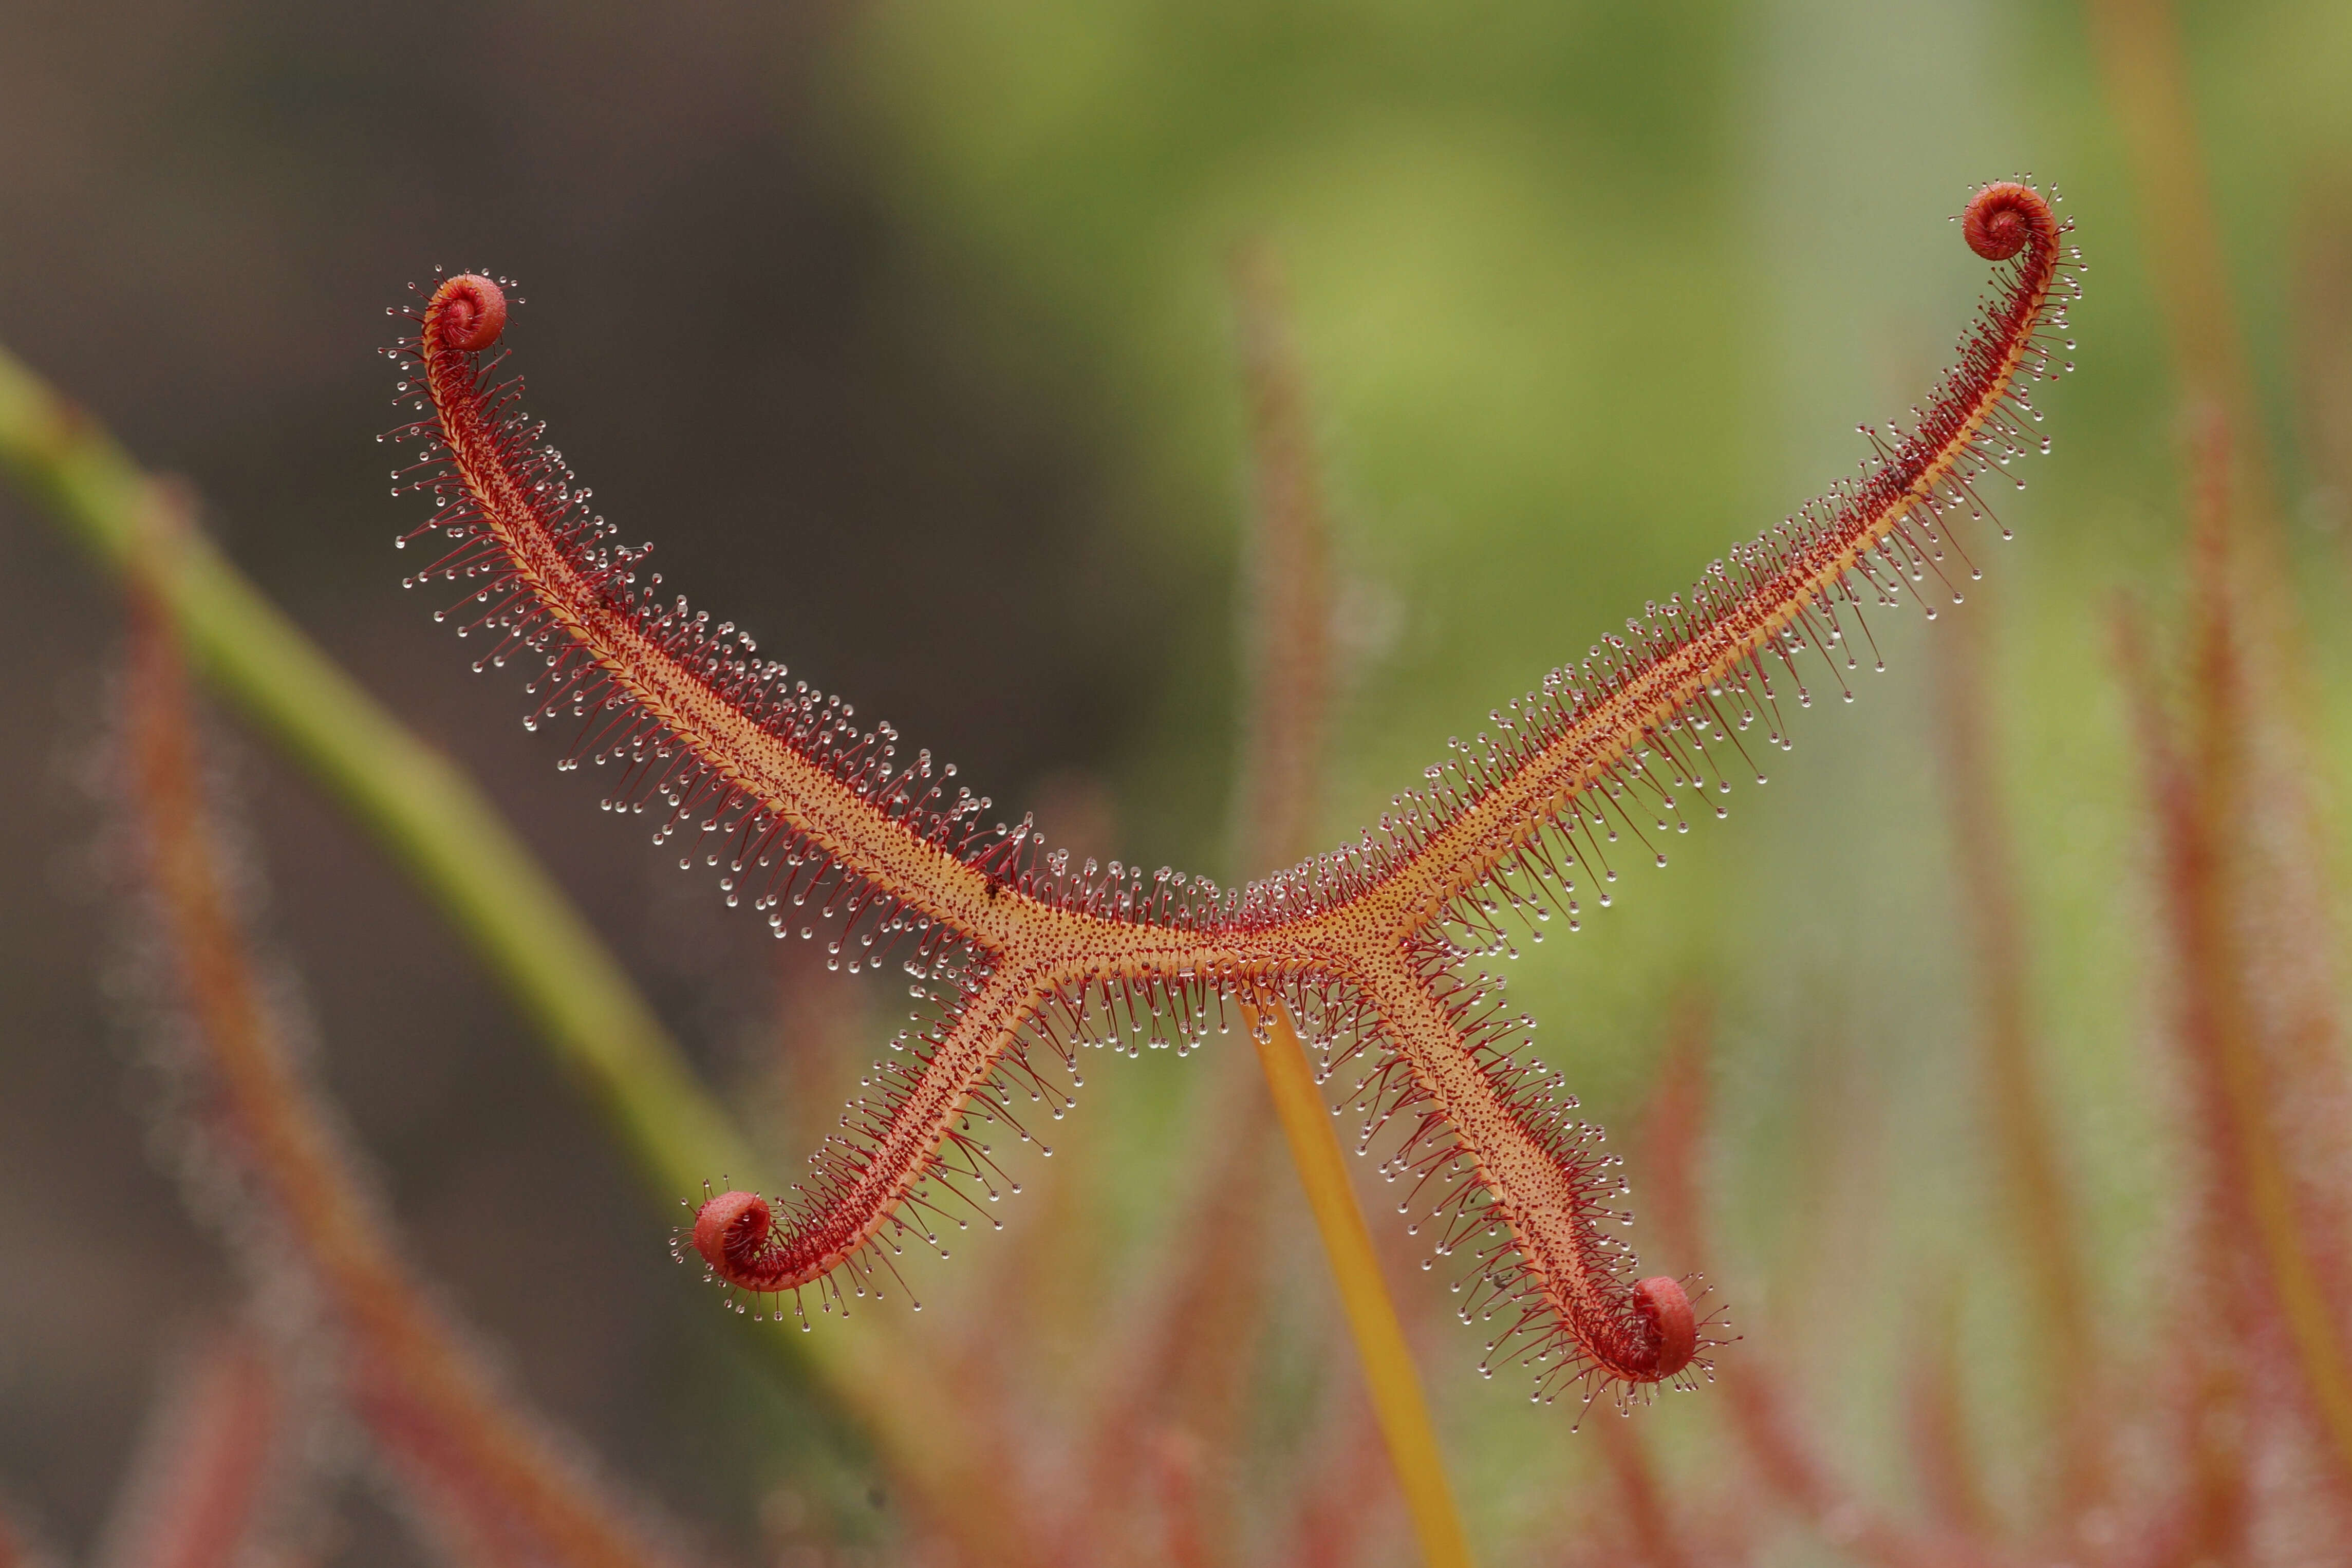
x,y
1021,958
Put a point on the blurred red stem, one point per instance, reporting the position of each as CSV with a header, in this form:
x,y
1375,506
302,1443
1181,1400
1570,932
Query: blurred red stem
x,y
2041,1203
2192,805
452,1436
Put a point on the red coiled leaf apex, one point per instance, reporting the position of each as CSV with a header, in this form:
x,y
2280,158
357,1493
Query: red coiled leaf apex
x,y
467,312
2004,216
1665,1308
729,1229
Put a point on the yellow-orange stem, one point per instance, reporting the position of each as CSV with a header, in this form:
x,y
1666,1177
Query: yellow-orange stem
x,y
1389,1370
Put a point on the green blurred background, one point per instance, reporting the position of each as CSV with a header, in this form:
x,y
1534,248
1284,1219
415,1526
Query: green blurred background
x,y
905,331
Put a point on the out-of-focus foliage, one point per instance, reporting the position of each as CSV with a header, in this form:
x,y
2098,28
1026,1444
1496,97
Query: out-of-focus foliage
x,y
949,416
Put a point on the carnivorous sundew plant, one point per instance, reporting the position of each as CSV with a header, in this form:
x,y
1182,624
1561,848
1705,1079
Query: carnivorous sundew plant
x,y
1017,958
